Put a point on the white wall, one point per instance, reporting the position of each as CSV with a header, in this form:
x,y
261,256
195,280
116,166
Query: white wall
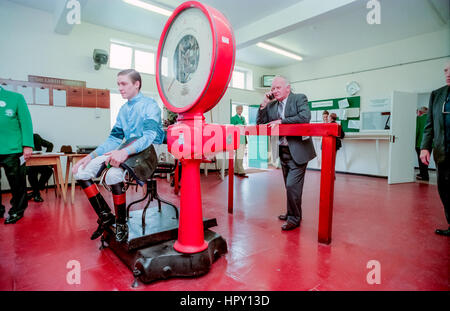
x,y
418,77
29,46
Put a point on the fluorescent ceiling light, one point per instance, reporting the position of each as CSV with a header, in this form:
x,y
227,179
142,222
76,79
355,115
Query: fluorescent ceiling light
x,y
279,51
149,7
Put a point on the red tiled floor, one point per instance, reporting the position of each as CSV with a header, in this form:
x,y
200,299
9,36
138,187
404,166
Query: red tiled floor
x,y
372,221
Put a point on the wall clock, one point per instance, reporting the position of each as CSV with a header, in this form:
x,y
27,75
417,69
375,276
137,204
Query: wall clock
x,y
352,88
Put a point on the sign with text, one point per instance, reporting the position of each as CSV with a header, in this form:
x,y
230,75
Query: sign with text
x,y
57,81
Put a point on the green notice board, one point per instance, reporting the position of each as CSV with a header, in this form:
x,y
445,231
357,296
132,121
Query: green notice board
x,y
333,104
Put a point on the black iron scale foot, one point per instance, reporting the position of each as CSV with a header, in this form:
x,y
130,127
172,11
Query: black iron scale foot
x,y
162,261
151,256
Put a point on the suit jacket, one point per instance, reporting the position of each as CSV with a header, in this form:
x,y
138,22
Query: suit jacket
x,y
434,133
295,112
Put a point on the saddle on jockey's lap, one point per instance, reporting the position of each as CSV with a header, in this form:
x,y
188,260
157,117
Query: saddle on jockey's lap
x,y
140,166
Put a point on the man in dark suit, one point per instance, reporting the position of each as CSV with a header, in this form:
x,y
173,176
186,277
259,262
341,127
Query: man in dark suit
x,y
33,172
437,136
281,106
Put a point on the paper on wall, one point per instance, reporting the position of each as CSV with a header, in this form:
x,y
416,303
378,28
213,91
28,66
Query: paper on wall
x,y
354,124
343,103
314,116
59,98
319,115
352,112
328,103
42,96
27,92
336,111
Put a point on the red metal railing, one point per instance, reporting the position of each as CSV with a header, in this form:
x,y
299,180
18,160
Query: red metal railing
x,y
328,132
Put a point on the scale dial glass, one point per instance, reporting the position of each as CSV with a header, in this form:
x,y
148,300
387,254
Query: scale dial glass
x,y
187,50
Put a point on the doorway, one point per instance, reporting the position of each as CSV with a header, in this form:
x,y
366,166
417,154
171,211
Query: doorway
x,y
256,155
402,137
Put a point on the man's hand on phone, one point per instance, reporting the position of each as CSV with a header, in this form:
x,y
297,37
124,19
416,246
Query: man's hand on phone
x,y
268,97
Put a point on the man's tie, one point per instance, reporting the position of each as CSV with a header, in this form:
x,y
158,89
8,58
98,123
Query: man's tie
x,y
280,110
282,140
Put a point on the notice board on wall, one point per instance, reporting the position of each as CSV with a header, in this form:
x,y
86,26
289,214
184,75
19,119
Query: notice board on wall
x,y
347,110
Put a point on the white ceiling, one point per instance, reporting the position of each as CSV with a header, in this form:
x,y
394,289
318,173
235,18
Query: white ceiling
x,y
312,29
347,30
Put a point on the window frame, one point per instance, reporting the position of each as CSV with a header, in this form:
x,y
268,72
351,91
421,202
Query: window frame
x,y
248,78
134,48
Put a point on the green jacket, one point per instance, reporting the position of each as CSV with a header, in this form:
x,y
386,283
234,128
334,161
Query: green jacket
x,y
239,120
420,126
16,128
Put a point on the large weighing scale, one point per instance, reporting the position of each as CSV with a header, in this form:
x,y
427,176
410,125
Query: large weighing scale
x,y
195,61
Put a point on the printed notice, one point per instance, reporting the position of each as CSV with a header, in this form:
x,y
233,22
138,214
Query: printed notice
x,y
328,103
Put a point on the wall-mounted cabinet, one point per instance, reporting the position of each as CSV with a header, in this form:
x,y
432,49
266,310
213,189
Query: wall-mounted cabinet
x,y
103,98
44,94
89,99
74,97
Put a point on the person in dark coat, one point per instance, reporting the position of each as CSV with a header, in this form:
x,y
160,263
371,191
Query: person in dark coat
x,y
38,182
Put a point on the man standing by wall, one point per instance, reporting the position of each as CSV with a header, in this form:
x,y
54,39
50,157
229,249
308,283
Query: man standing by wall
x,y
238,119
421,120
16,132
437,136
295,151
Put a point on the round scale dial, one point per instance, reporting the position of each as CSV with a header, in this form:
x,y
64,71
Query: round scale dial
x,y
188,51
197,51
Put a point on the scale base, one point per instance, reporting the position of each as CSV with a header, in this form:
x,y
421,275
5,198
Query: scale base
x,y
152,257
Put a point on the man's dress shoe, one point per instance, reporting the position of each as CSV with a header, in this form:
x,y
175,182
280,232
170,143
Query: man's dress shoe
x,y
289,226
282,217
443,232
38,198
12,219
419,177
35,197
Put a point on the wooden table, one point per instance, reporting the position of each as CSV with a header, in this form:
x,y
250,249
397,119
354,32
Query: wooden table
x,y
53,160
71,159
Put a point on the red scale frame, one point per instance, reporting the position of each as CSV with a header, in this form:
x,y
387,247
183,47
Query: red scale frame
x,y
190,231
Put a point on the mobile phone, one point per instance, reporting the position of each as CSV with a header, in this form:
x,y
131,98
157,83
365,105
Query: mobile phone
x,y
270,96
